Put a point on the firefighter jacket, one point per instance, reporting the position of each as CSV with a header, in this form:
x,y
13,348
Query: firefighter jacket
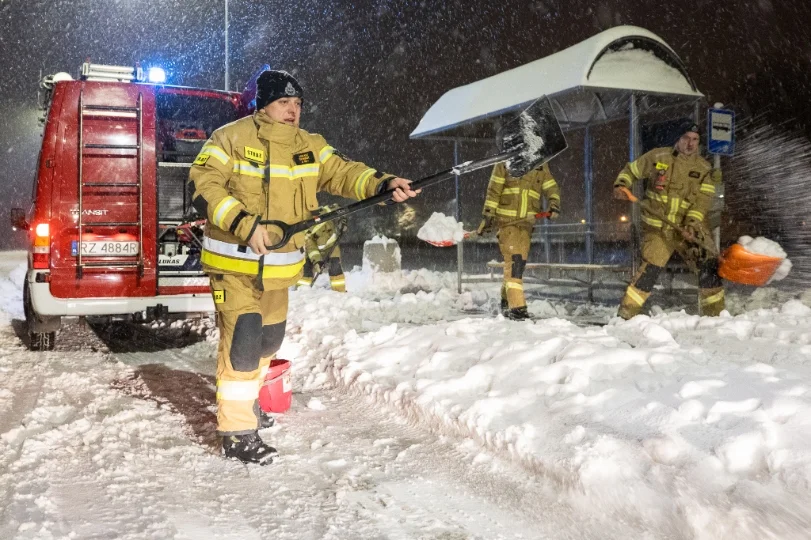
x,y
510,199
258,169
320,239
678,187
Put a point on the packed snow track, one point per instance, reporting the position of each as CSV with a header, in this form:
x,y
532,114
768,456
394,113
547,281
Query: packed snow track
x,y
412,419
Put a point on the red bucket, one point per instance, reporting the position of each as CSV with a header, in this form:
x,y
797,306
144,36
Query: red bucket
x,y
277,390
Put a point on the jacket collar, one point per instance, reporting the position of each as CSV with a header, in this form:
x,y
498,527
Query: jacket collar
x,y
274,132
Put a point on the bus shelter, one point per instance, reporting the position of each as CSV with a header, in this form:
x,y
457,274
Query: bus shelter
x,y
622,73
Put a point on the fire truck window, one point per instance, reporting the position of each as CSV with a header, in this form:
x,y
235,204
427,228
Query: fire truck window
x,y
185,122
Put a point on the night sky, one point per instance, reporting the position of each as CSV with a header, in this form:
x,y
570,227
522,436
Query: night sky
x,y
370,69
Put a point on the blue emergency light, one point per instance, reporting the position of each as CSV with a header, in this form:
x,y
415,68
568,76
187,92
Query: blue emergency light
x,y
156,75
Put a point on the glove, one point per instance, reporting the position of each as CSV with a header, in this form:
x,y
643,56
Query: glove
x,y
486,226
554,212
693,231
619,193
716,176
317,266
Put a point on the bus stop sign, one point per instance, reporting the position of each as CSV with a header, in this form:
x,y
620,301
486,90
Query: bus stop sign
x,y
721,130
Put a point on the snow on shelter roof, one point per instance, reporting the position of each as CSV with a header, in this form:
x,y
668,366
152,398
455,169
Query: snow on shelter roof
x,y
588,82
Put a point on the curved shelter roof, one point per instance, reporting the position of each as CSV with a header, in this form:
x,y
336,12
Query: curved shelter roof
x,y
588,83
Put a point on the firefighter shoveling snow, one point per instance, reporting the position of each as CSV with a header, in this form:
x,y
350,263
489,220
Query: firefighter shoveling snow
x,y
441,230
412,420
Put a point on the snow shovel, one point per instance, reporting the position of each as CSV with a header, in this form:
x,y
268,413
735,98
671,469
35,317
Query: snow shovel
x,y
735,263
474,234
527,141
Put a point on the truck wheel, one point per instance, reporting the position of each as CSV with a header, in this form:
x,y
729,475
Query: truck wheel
x,y
41,332
42,341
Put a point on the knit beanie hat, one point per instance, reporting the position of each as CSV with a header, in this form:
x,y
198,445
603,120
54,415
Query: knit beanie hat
x,y
272,85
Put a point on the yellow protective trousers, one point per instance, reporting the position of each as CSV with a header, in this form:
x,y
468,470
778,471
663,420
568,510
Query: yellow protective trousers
x,y
657,247
514,242
251,324
336,272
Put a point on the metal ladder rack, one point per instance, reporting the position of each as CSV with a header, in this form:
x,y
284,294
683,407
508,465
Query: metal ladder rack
x,y
112,111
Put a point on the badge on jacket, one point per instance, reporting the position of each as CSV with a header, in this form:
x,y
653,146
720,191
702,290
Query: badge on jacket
x,y
219,297
253,154
304,158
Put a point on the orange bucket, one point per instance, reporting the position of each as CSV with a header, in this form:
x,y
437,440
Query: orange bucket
x,y
276,393
741,266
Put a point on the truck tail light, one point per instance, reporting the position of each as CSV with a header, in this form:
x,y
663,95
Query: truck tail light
x,y
41,258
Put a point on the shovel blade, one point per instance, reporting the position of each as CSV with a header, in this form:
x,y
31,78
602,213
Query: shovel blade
x,y
536,134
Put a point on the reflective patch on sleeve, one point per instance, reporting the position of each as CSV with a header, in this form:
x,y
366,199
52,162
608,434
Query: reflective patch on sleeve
x,y
217,152
201,159
222,209
360,184
219,297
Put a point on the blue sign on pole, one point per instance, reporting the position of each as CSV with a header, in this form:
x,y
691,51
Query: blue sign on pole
x,y
721,132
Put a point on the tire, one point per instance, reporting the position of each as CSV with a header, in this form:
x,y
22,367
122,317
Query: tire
x,y
41,333
41,341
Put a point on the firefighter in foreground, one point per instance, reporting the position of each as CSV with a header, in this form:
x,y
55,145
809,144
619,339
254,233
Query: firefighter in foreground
x,y
263,167
680,186
321,248
510,206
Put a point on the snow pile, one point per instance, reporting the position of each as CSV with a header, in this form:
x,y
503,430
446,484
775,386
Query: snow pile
x,y
685,423
380,239
769,248
615,69
762,246
441,228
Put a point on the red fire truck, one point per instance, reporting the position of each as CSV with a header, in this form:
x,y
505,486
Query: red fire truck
x,y
112,229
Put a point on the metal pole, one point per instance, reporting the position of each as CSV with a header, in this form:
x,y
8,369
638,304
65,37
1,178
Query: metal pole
x,y
458,215
634,151
716,163
588,177
227,82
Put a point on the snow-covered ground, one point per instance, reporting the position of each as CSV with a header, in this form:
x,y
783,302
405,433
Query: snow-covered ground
x,y
417,414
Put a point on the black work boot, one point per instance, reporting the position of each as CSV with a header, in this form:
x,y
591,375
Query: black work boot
x,y
518,314
266,420
249,448
504,306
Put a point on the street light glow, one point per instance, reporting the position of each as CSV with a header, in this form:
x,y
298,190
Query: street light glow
x,y
623,218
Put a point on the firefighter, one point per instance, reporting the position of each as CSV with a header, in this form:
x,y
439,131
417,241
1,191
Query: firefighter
x,y
257,168
510,206
680,186
321,248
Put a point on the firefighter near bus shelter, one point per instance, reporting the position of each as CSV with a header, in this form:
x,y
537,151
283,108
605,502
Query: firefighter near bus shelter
x,y
263,167
323,252
679,189
510,207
